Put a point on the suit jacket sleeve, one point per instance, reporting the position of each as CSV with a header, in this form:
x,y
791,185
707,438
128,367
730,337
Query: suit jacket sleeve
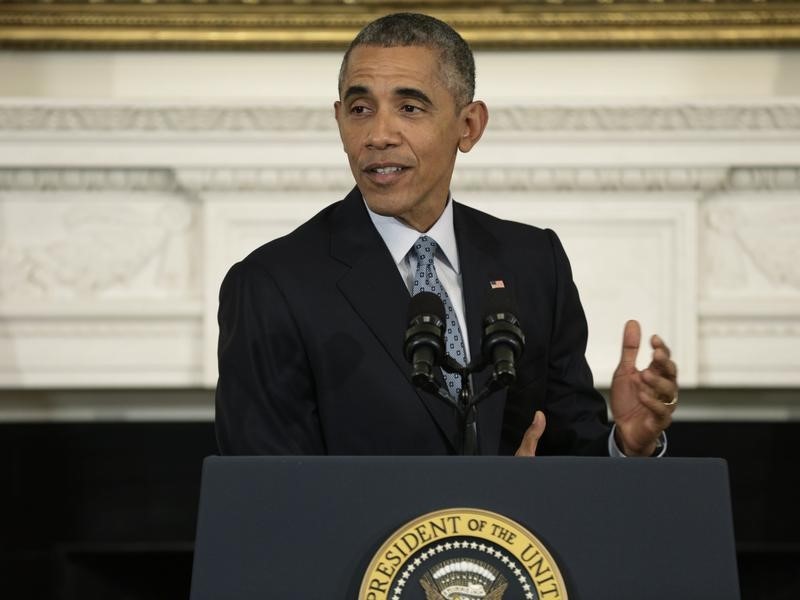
x,y
265,400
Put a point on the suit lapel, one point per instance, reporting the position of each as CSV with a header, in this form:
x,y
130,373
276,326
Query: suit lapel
x,y
479,256
375,289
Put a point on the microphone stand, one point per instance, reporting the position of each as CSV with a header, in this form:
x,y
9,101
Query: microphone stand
x,y
467,403
503,342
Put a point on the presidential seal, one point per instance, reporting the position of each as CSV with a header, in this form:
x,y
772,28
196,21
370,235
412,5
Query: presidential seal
x,y
462,554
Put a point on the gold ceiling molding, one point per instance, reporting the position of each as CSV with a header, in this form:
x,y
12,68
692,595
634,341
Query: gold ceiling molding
x,y
331,24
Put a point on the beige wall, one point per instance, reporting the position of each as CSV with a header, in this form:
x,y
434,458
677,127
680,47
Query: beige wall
x,y
311,77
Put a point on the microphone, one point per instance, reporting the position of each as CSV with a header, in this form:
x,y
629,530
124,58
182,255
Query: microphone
x,y
424,339
503,340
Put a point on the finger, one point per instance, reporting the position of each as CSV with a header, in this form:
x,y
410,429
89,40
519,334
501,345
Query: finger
x,y
661,412
657,342
662,364
663,394
663,388
631,338
532,435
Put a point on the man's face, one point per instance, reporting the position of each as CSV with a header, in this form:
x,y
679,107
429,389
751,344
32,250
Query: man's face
x,y
401,129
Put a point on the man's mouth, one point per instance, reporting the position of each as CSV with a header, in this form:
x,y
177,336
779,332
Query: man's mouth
x,y
385,174
386,170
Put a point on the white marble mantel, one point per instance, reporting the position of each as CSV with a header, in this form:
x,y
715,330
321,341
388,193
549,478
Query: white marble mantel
x,y
118,220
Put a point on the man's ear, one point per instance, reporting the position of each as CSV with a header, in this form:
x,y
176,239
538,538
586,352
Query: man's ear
x,y
337,107
474,117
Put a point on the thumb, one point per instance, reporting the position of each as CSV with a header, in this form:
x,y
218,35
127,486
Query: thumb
x,y
631,338
531,437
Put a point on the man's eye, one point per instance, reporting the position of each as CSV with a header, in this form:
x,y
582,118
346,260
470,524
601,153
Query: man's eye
x,y
410,108
358,110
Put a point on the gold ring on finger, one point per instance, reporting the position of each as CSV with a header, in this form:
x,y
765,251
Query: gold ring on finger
x,y
672,402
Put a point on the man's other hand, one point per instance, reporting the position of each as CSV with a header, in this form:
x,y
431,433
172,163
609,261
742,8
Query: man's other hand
x,y
642,402
532,435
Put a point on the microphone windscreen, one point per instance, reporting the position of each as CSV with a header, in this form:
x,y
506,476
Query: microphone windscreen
x,y
425,303
500,300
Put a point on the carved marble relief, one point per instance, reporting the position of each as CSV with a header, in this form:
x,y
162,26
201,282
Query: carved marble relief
x,y
751,246
94,240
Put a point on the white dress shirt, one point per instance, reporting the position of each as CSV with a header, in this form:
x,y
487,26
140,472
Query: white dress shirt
x,y
400,238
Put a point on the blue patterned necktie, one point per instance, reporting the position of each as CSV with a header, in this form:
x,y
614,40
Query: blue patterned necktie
x,y
426,280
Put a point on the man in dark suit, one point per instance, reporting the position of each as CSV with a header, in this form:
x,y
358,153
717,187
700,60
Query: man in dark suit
x,y
311,325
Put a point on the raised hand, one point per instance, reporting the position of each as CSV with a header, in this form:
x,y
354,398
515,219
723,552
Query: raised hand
x,y
642,402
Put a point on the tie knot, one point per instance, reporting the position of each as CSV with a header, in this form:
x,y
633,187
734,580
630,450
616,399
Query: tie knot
x,y
424,250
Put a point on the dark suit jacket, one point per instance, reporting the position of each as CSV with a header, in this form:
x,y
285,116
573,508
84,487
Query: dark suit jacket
x,y
311,344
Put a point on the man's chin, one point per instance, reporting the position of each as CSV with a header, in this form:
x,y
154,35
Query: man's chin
x,y
404,209
385,203
384,211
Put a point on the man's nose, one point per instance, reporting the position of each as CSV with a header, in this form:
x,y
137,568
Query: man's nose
x,y
385,131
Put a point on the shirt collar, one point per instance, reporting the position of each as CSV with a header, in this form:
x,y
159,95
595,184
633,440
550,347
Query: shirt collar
x,y
399,237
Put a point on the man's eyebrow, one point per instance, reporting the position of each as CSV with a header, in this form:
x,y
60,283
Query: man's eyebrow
x,y
356,90
405,92
412,93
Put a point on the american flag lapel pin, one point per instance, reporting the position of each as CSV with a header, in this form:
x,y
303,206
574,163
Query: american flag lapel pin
x,y
497,283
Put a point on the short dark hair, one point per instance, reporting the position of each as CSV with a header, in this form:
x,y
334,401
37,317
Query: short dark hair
x,y
414,29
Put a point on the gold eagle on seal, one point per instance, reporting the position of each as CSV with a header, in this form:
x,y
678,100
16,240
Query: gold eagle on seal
x,y
463,579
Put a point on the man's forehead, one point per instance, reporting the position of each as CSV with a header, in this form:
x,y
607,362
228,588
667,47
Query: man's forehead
x,y
399,68
410,59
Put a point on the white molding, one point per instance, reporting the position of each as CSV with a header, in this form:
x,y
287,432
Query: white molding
x,y
130,351
49,179
529,178
334,179
750,351
777,116
474,178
